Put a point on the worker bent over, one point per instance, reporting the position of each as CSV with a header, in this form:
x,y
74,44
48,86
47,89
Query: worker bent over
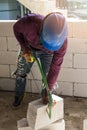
x,y
44,38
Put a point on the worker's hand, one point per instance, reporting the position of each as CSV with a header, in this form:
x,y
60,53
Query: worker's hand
x,y
45,98
44,95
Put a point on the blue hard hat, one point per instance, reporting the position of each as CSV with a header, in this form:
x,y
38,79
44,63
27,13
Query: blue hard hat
x,y
54,31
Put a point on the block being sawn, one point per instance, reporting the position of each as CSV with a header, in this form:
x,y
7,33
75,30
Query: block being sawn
x,y
58,125
85,124
37,116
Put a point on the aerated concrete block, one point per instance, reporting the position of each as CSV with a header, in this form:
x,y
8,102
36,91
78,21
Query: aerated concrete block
x,y
37,116
3,44
80,89
25,128
80,61
65,88
8,57
13,44
6,28
58,125
73,75
79,29
70,30
68,61
22,123
85,124
77,45
4,71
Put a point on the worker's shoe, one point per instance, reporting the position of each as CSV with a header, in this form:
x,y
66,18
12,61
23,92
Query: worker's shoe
x,y
44,95
17,102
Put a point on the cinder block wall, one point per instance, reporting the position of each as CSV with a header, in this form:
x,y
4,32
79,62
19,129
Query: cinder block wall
x,y
73,76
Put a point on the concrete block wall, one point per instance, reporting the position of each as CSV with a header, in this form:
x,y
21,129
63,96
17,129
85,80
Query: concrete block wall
x,y
72,78
8,54
74,68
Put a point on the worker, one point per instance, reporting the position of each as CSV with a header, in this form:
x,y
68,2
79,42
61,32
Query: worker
x,y
44,38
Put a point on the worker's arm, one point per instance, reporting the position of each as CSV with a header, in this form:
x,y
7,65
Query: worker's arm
x,y
19,29
56,65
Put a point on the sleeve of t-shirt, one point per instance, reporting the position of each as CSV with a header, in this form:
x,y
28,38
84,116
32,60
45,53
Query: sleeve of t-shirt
x,y
20,28
55,67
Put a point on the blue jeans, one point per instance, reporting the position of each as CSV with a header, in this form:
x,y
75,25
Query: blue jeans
x,y
23,68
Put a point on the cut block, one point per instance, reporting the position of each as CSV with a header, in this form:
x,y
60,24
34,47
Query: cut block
x,y
37,116
58,125
22,123
25,128
85,124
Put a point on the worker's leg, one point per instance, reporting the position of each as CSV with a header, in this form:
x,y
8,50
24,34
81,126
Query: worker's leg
x,y
22,69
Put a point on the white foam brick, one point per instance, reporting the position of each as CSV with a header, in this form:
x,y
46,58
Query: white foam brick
x,y
58,125
22,123
37,116
85,124
25,128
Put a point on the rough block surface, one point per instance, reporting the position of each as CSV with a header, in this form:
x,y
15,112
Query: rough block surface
x,y
58,125
37,116
22,123
85,124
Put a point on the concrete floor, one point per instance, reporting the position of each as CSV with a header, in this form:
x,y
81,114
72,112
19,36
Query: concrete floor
x,y
75,111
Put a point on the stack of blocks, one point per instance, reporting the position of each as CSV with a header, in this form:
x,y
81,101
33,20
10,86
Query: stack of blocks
x,y
38,119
